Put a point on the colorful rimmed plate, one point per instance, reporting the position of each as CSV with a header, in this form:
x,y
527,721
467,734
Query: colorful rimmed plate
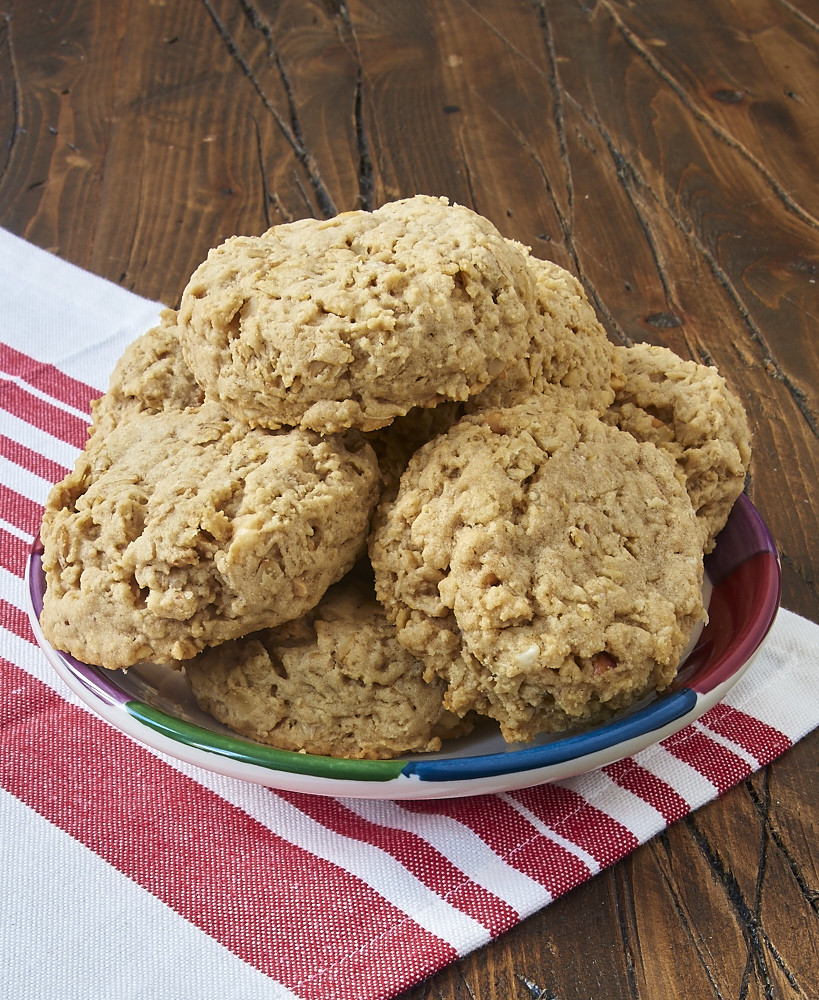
x,y
153,705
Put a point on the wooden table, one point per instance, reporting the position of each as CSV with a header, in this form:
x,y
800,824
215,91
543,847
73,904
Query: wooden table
x,y
666,153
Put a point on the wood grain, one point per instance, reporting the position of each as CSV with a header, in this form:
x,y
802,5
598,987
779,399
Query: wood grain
x,y
665,153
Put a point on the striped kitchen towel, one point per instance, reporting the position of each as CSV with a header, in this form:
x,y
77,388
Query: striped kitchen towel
x,y
127,873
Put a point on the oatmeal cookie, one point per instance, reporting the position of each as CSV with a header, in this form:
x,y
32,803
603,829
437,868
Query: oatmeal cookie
x,y
546,565
688,410
395,444
182,529
569,354
151,376
353,321
334,682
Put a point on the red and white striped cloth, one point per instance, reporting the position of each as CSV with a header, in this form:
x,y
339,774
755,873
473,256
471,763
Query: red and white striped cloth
x,y
126,873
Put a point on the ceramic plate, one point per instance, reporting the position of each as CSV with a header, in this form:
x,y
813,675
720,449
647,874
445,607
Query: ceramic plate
x,y
153,705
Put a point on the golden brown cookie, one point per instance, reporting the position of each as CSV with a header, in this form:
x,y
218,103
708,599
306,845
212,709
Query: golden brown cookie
x,y
182,529
353,321
546,565
395,444
568,354
688,410
150,376
334,682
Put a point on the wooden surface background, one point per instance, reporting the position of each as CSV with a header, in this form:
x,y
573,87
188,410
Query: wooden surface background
x,y
666,153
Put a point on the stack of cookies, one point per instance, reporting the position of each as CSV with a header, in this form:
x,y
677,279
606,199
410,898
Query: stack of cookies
x,y
383,475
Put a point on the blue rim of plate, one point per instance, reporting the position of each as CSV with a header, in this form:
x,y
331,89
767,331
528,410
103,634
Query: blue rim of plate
x,y
745,576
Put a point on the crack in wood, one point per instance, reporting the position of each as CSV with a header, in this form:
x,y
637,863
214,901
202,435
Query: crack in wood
x,y
276,202
465,981
292,132
266,198
757,940
799,14
782,965
620,905
629,179
798,569
770,365
366,177
685,923
273,54
297,180
757,952
553,79
535,992
500,35
473,198
366,183
16,128
722,134
558,96
811,896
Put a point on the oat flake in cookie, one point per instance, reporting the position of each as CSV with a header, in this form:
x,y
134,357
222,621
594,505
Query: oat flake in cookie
x,y
334,682
183,529
353,321
546,565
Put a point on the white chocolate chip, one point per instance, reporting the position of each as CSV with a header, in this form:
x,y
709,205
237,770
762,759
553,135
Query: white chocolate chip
x,y
529,657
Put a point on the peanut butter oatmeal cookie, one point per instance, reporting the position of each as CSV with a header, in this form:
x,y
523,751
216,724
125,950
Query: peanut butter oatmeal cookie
x,y
546,565
151,376
688,410
353,321
182,529
395,444
334,682
568,354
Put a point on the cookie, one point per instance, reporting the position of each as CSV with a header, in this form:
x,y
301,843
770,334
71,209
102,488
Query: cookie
x,y
546,565
688,410
182,529
395,444
151,376
569,354
353,321
334,682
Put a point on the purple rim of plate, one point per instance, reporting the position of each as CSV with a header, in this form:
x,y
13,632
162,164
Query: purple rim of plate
x,y
98,681
745,535
745,574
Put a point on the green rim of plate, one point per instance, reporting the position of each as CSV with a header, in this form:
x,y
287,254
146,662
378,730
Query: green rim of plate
x,y
263,756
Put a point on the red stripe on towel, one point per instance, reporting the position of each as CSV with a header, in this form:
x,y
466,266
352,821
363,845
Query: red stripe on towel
x,y
47,378
513,838
13,553
420,858
668,802
721,766
40,413
15,620
268,901
572,817
763,742
18,510
31,461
